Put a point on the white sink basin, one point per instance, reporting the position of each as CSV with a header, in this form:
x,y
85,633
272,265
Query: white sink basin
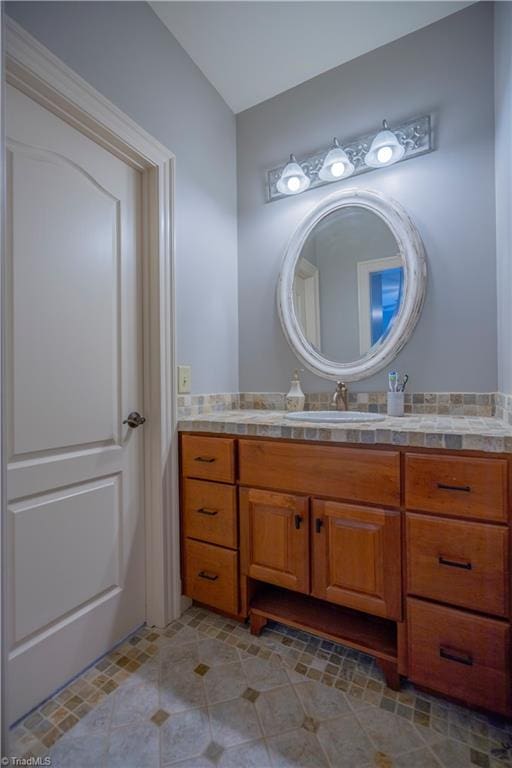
x,y
334,416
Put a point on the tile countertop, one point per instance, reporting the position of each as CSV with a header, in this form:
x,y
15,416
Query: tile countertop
x,y
471,433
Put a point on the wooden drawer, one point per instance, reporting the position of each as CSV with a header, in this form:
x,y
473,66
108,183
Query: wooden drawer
x,y
457,486
458,562
208,458
464,656
211,575
209,512
351,474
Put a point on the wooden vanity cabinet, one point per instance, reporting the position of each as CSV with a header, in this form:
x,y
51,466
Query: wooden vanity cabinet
x,y
275,531
356,557
403,554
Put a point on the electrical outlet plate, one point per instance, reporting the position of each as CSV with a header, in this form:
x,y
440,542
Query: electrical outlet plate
x,y
184,379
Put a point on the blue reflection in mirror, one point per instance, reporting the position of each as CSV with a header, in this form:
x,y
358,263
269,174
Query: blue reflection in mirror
x,y
385,295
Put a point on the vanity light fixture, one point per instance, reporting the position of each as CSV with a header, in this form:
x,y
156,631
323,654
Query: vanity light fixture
x,y
385,148
351,157
336,164
293,179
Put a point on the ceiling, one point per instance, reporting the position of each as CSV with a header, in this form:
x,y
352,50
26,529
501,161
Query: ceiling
x,y
251,51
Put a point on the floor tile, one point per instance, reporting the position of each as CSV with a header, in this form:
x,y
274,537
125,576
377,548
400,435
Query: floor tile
x,y
186,656
344,742
184,635
263,675
389,733
225,682
185,735
233,722
251,755
296,749
132,747
452,754
214,652
203,652
80,752
321,702
181,690
420,758
97,721
134,704
195,762
279,710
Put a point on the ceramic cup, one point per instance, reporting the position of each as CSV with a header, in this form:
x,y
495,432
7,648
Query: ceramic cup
x,y
396,403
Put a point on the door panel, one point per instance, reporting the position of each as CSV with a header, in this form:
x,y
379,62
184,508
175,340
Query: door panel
x,y
76,568
70,284
40,532
275,528
356,557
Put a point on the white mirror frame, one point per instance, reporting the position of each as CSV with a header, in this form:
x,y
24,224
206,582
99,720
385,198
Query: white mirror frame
x,y
410,248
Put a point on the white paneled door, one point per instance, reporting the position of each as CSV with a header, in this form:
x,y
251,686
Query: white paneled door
x,y
75,524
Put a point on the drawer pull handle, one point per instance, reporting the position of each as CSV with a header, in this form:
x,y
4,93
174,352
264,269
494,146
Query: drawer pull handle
x,y
318,524
463,488
454,564
205,459
206,511
460,658
208,576
298,521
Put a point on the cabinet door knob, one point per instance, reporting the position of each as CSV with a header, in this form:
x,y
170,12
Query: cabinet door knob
x,y
318,524
298,521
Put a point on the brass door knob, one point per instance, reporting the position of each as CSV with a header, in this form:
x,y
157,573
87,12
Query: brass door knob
x,y
134,420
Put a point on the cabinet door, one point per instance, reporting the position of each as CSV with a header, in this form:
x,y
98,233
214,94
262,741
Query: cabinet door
x,y
356,557
275,538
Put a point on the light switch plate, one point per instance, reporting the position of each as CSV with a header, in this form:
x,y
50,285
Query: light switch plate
x,y
184,379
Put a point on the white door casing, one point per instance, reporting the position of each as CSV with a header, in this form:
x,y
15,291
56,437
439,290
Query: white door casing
x,y
36,72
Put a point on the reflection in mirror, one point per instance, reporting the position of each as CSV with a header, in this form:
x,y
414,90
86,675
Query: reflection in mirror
x,y
348,283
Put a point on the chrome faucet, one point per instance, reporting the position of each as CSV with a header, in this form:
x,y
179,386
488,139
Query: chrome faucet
x,y
340,397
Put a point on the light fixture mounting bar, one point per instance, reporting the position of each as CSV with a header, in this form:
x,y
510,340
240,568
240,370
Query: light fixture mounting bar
x,y
415,136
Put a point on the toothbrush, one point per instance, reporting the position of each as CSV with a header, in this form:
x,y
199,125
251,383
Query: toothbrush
x,y
404,382
392,379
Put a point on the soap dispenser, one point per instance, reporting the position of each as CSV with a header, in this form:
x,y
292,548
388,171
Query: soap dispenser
x,y
295,397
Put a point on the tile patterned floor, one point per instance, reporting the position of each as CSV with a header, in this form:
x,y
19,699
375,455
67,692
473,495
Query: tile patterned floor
x,y
203,693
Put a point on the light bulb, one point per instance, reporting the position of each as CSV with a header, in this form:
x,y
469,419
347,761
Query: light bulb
x,y
293,179
337,169
384,154
336,164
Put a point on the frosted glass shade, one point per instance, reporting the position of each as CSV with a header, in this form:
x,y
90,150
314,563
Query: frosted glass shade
x,y
336,164
385,149
293,179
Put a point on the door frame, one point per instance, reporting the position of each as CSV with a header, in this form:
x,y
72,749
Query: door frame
x,y
38,73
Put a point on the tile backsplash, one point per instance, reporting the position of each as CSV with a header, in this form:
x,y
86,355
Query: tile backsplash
x,y
503,407
441,403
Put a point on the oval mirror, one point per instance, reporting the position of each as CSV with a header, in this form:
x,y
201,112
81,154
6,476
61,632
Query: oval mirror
x,y
352,285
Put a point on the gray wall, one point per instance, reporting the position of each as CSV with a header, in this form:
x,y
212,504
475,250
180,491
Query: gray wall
x,y
503,96
128,55
446,69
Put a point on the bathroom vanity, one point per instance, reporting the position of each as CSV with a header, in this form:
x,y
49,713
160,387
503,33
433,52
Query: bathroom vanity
x,y
397,551
391,538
